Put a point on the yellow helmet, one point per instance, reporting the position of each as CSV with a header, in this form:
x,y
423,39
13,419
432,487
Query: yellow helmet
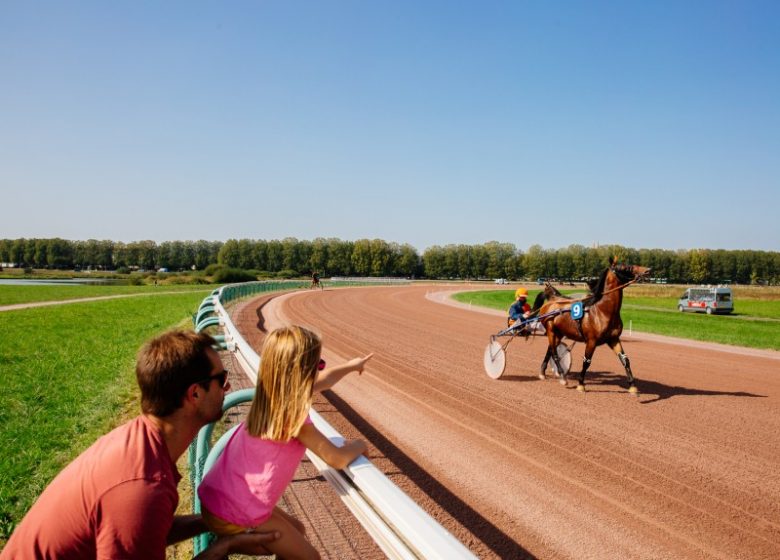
x,y
521,292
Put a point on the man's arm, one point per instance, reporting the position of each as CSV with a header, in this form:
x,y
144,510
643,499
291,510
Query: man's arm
x,y
251,543
135,522
185,527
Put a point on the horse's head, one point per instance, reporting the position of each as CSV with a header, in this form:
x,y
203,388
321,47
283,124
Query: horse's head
x,y
629,272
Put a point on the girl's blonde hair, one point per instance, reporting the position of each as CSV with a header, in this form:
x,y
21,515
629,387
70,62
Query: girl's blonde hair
x,y
288,367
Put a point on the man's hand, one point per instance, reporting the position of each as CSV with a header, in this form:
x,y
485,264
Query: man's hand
x,y
249,543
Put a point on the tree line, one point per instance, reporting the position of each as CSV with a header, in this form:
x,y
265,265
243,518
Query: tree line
x,y
376,257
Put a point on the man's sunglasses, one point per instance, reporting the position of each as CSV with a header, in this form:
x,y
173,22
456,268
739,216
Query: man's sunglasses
x,y
221,378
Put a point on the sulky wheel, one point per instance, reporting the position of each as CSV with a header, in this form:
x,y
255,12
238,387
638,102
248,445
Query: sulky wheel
x,y
494,360
564,356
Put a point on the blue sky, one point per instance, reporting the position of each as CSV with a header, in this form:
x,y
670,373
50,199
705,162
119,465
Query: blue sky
x,y
646,124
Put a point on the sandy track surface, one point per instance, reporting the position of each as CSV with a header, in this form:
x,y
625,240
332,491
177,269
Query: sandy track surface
x,y
526,468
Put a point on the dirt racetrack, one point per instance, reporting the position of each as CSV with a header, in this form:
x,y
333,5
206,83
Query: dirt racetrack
x,y
526,468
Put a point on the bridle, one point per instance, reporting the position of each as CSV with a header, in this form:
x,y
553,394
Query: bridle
x,y
616,288
621,286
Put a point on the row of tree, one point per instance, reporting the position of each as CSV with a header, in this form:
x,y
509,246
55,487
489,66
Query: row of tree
x,y
109,255
375,257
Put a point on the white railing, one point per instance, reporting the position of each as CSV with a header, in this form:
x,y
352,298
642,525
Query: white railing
x,y
396,523
361,280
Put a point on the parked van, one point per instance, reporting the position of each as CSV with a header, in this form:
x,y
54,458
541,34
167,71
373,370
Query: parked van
x,y
707,299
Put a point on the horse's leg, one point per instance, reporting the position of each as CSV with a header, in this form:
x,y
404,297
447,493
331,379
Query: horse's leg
x,y
554,340
546,361
590,348
549,354
617,348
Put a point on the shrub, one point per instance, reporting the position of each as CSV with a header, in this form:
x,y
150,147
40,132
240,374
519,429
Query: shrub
x,y
232,275
175,279
212,269
123,270
199,277
287,274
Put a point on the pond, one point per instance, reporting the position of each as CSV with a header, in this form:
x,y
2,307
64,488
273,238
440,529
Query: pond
x,y
60,282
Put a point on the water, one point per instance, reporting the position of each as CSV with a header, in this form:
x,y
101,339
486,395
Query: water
x,y
60,282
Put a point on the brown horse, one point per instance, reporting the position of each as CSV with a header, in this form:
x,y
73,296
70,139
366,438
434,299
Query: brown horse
x,y
600,324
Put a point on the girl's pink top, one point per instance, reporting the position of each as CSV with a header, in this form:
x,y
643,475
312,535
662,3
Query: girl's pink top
x,y
249,477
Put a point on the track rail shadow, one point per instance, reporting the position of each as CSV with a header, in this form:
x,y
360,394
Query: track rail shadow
x,y
495,539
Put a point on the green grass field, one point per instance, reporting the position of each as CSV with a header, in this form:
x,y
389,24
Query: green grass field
x,y
10,295
68,377
755,322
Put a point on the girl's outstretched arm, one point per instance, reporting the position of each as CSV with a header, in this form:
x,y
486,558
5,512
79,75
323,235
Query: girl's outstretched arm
x,y
332,375
336,457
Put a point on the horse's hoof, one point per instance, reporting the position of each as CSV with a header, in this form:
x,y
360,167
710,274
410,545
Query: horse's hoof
x,y
562,382
542,376
581,387
633,390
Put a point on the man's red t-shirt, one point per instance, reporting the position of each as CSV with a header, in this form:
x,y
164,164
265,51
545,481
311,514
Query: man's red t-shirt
x,y
116,500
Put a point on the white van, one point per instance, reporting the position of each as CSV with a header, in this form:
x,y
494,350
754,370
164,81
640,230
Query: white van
x,y
707,299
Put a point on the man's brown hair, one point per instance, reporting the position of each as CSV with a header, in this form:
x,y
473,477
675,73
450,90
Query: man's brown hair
x,y
167,365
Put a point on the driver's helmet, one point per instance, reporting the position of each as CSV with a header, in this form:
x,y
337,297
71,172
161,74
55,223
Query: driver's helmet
x,y
521,292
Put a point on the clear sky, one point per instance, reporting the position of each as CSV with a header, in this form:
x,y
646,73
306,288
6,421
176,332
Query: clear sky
x,y
646,124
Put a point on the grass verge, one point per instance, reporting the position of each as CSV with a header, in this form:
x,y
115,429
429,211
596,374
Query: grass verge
x,y
754,325
68,377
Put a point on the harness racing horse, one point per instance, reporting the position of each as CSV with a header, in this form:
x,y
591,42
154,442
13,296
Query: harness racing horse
x,y
601,323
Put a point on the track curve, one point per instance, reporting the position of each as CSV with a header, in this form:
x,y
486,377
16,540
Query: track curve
x,y
526,468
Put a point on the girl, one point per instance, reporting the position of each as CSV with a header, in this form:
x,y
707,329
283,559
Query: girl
x,y
241,490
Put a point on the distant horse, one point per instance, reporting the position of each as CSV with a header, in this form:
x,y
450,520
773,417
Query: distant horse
x,y
551,293
601,323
